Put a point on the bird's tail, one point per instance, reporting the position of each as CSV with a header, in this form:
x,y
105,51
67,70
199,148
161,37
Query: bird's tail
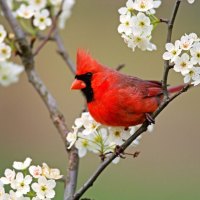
x,y
177,88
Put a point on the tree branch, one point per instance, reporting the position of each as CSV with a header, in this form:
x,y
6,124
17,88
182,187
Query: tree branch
x,y
168,40
28,62
62,51
51,31
57,117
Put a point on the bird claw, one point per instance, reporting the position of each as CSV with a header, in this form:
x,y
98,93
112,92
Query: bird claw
x,y
149,118
119,151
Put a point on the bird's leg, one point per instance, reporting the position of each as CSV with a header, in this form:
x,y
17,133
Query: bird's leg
x,y
126,128
119,151
149,118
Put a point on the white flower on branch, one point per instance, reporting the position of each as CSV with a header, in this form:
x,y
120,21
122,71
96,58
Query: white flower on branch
x,y
136,29
37,4
42,19
193,74
9,176
72,137
5,52
56,2
185,55
44,188
129,8
183,64
191,1
25,11
66,13
51,173
186,42
195,53
35,171
100,139
126,24
3,33
146,5
9,73
22,165
118,135
82,144
141,24
2,191
21,184
172,51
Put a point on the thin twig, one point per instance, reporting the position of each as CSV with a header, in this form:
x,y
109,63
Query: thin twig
x,y
51,31
166,21
63,52
169,35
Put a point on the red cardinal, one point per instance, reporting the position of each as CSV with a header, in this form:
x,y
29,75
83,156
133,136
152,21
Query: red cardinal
x,y
113,98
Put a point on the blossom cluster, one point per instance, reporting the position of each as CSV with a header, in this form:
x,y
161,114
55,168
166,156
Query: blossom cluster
x,y
9,72
89,135
184,54
137,22
40,12
28,181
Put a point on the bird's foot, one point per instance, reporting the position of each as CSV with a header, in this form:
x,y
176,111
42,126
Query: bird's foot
x,y
149,118
119,151
126,128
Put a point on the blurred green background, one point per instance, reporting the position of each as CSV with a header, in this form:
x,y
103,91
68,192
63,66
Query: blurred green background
x,y
169,164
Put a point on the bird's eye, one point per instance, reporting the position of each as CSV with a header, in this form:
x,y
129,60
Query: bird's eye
x,y
89,74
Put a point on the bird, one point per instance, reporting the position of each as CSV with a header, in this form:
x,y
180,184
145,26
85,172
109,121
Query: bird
x,y
114,98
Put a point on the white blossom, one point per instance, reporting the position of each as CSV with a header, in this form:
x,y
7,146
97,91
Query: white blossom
x,y
141,24
126,24
51,173
142,42
173,51
183,64
5,52
42,19
66,13
2,191
86,121
191,1
21,184
72,137
22,165
82,144
196,82
35,171
25,11
13,196
9,176
44,188
3,33
37,4
193,74
56,2
186,42
143,5
118,135
195,53
9,73
129,8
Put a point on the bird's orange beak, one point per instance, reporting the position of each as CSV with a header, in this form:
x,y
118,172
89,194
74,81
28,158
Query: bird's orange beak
x,y
78,85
